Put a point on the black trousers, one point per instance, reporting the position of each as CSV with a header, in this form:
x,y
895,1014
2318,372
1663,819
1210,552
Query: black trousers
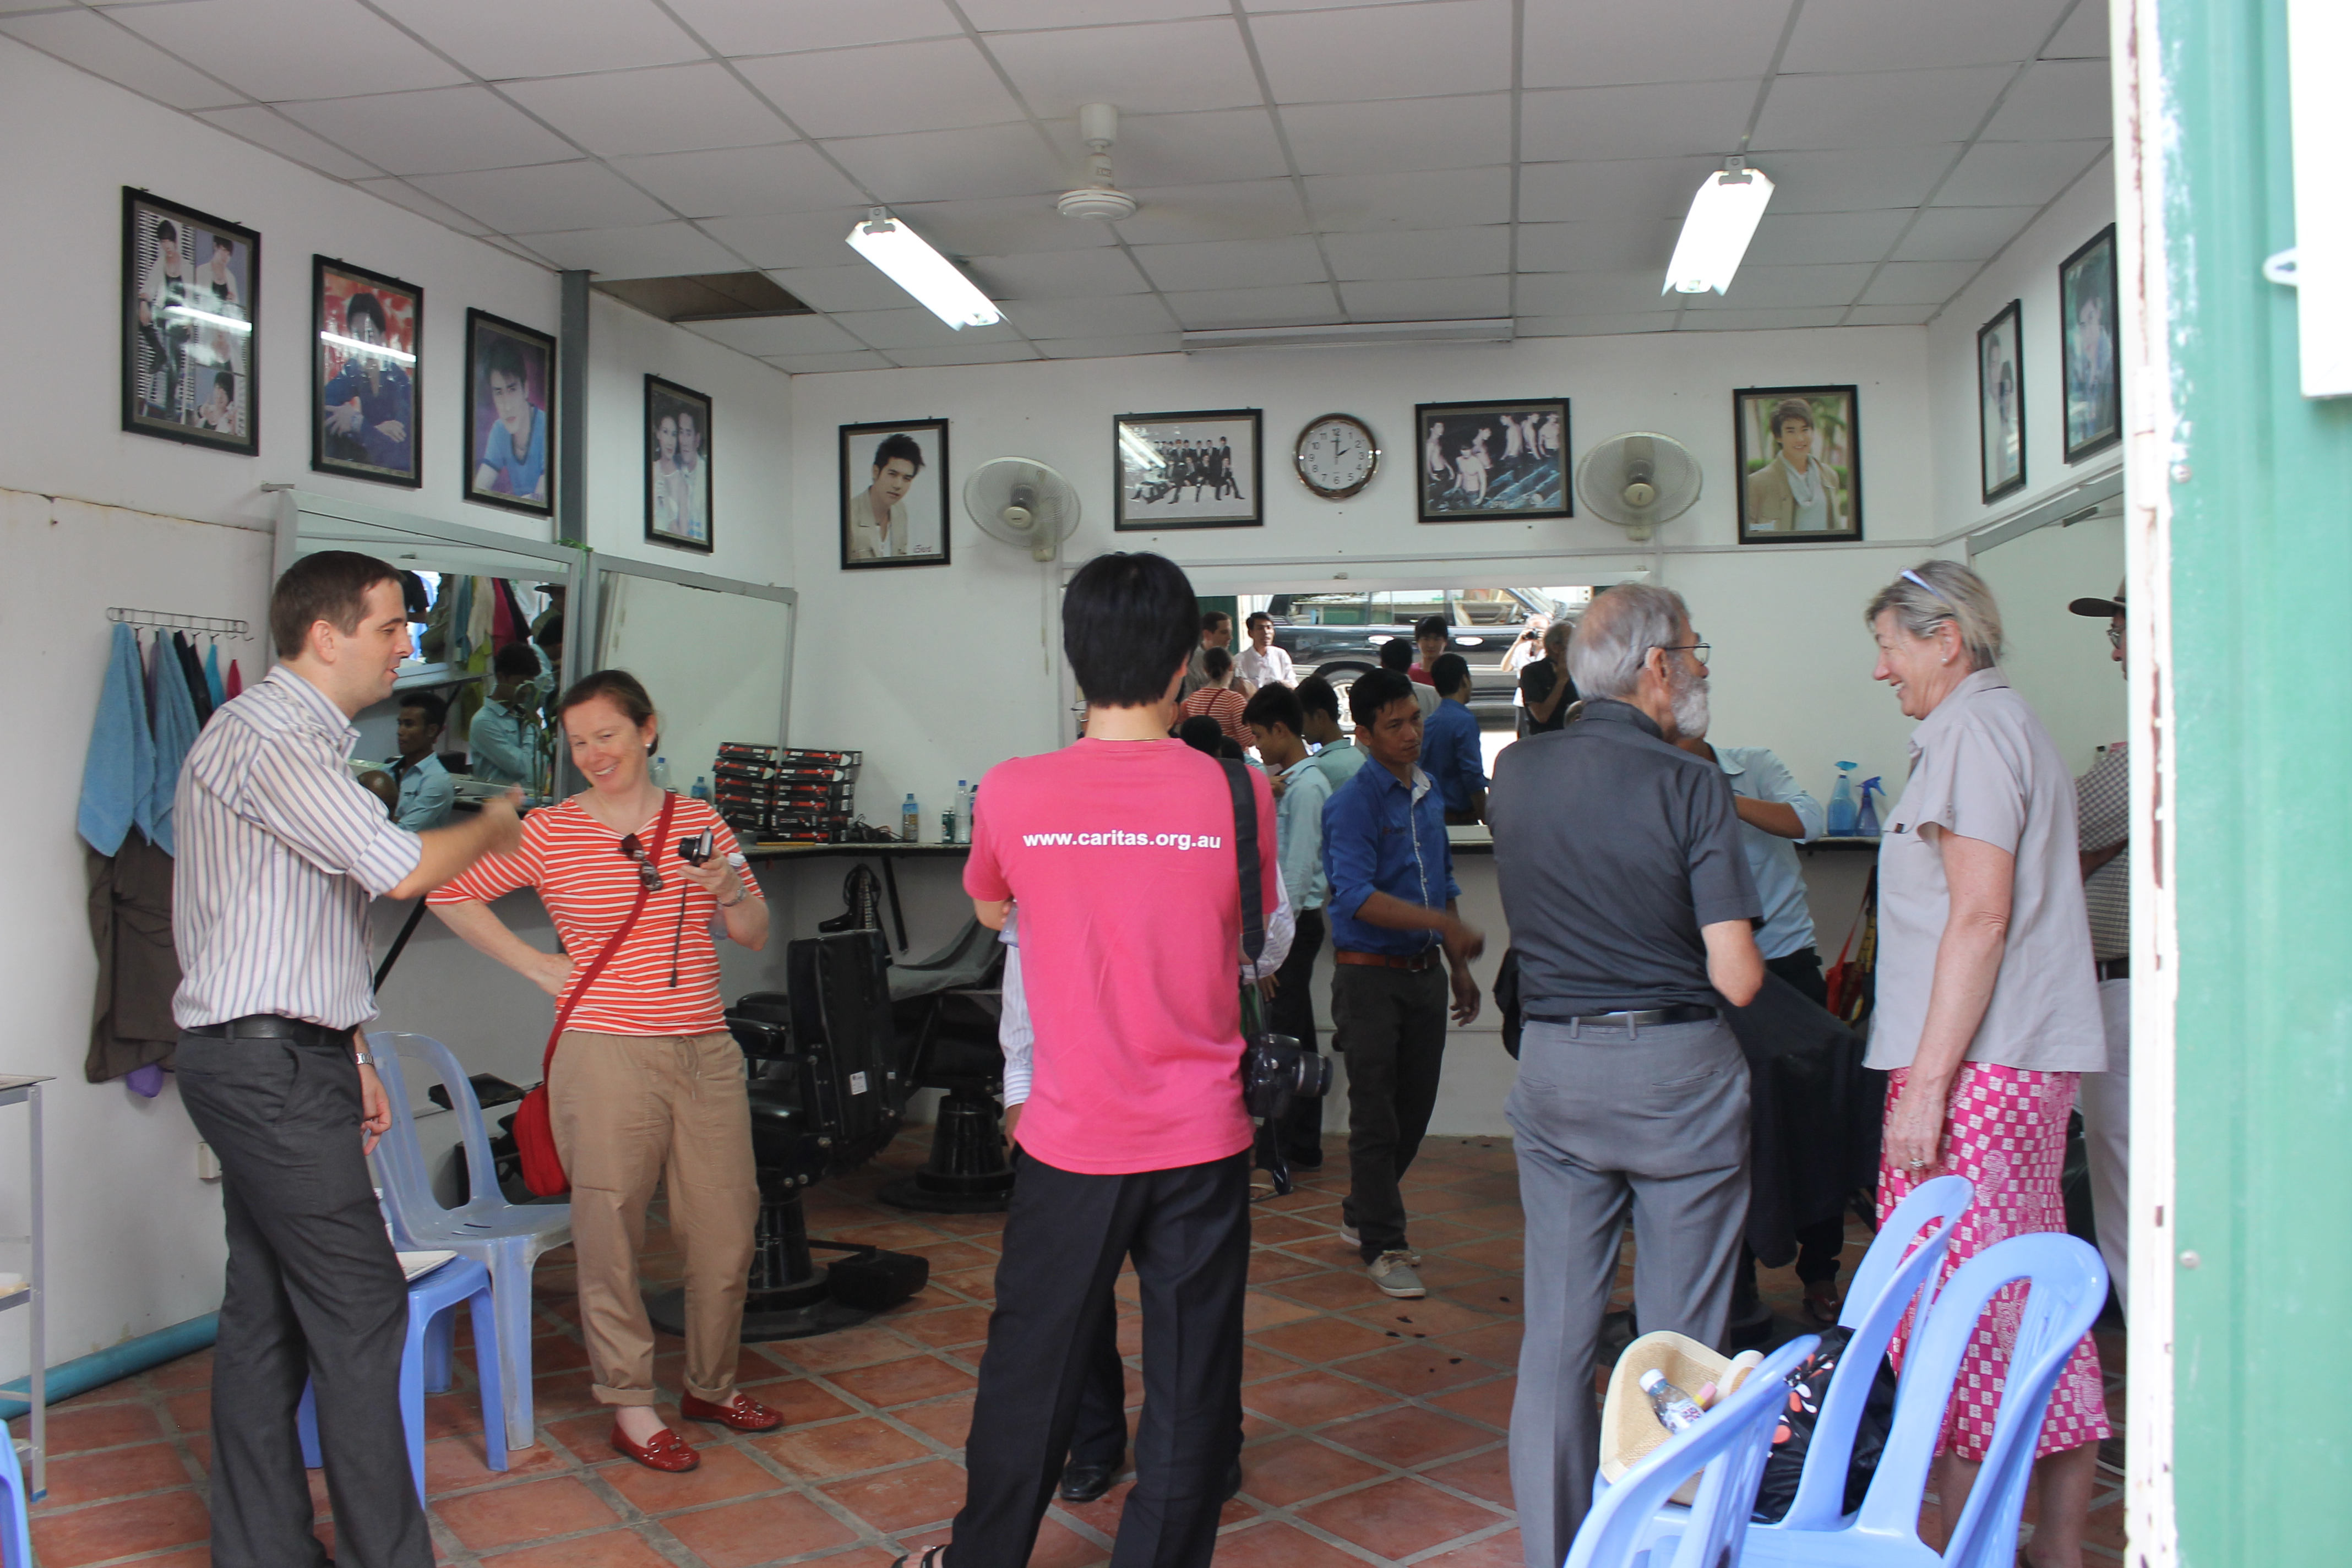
x,y
1822,1244
314,1292
1100,1436
1390,1026
1187,1231
1292,1013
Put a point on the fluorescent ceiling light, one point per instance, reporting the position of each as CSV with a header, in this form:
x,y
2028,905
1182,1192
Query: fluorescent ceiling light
x,y
226,324
1365,334
910,262
1723,218
360,346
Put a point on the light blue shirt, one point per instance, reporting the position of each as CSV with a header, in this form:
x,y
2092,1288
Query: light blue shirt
x,y
1756,774
426,796
1299,833
502,743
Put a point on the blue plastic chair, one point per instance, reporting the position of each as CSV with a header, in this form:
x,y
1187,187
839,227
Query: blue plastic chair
x,y
2066,1290
15,1532
433,1302
1630,1525
508,1239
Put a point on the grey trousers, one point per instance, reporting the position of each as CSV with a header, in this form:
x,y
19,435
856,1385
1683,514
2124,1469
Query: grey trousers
x,y
315,1292
1656,1124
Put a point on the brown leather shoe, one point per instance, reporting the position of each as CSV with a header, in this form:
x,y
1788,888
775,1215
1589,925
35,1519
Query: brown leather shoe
x,y
742,1413
665,1451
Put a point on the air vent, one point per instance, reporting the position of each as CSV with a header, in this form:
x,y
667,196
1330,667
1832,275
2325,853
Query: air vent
x,y
704,296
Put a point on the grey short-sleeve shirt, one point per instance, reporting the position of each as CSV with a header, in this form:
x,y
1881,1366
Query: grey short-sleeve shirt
x,y
1983,767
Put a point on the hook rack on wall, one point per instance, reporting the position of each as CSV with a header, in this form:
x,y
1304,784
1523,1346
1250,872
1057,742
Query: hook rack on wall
x,y
170,621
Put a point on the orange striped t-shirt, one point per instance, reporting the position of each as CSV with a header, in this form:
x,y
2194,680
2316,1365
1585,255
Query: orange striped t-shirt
x,y
575,864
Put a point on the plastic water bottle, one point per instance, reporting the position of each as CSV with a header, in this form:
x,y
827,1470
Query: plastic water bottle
x,y
1842,810
910,820
701,790
661,773
963,812
1675,1411
1866,824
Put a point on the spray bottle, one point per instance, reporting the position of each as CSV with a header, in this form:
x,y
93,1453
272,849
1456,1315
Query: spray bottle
x,y
1842,813
1865,824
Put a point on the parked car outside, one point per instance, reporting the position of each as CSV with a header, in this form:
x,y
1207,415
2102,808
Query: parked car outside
x,y
1338,634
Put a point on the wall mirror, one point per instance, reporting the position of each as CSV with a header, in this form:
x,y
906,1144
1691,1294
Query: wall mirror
x,y
2057,660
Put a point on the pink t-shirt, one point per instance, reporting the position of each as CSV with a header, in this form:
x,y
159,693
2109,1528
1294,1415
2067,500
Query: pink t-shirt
x,y
1120,854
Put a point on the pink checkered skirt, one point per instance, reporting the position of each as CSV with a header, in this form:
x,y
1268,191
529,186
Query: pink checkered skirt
x,y
2006,1132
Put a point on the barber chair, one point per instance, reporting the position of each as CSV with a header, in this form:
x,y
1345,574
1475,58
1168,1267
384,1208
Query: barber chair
x,y
948,1004
826,1096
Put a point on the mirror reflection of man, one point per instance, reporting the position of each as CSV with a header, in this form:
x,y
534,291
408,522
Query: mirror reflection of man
x,y
514,459
2102,813
502,744
1216,631
369,404
1793,493
877,514
426,795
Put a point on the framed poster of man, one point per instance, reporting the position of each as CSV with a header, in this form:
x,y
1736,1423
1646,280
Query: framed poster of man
x,y
1486,460
1799,463
509,416
191,331
1188,470
893,494
678,465
2086,318
2001,402
366,380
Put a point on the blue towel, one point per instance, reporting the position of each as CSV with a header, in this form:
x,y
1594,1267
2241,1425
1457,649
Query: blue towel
x,y
176,731
213,675
117,777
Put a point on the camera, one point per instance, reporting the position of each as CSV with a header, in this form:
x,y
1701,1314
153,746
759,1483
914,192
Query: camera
x,y
693,850
1276,1070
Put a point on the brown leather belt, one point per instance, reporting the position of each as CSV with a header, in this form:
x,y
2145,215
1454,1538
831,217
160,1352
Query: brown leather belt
x,y
2112,968
1415,962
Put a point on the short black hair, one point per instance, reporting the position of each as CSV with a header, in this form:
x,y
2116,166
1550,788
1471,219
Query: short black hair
x,y
331,586
1397,654
1372,692
515,658
1315,695
1229,747
166,231
1430,626
1276,703
432,704
225,381
1451,672
506,356
1201,733
1217,662
550,634
363,303
898,445
1212,619
1128,620
1256,615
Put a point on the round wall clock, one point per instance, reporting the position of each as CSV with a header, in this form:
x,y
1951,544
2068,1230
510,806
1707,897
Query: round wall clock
x,y
1337,456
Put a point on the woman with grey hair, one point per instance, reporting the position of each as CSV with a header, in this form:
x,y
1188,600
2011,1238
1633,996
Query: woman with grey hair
x,y
1987,1012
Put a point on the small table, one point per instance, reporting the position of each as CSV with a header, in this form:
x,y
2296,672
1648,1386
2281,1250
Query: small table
x,y
887,853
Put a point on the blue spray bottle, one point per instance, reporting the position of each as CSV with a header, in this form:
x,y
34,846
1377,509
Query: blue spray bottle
x,y
1841,803
1866,824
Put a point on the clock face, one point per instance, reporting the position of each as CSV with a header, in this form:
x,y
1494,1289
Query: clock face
x,y
1337,456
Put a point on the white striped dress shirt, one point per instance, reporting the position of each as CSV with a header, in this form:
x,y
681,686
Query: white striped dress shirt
x,y
280,851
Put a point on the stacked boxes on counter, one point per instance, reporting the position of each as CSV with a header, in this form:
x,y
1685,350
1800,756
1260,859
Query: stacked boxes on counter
x,y
786,794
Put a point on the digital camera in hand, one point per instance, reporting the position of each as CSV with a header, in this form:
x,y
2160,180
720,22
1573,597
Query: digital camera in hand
x,y
1276,1070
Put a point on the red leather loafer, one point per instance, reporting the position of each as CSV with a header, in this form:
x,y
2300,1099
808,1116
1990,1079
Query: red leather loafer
x,y
663,1451
742,1413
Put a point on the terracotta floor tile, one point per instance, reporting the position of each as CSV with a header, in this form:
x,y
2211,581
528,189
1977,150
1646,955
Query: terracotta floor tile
x,y
944,1421
78,1430
1059,1546
1257,1366
1426,1318
607,1548
1322,1339
898,1500
1130,1331
1311,1398
452,1463
1499,1293
1489,1402
1486,1475
1399,1518
1276,1229
1493,1252
1407,1436
952,1326
1262,1310
1269,1265
972,1284
107,1529
904,1382
1103,1514
725,1474
1499,1550
553,1352
948,1257
1446,1201
511,1516
179,1376
895,1234
587,1437
1496,1342
1502,1219
1291,1468
1335,1291
828,1353
114,1473
839,1448
1417,1369
1431,1233
1276,1544
759,1530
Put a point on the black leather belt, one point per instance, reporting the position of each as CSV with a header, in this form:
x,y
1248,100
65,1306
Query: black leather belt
x,y
2112,968
270,1026
1646,1018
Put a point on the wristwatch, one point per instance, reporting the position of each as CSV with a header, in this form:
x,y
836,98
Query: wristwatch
x,y
360,1059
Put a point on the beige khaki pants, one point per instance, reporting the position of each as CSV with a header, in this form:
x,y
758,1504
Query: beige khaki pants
x,y
629,1110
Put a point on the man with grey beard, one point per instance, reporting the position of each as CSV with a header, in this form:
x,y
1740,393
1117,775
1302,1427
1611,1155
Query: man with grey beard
x,y
1630,903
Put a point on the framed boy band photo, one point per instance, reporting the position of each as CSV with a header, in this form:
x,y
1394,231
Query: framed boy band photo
x,y
1188,470
2001,402
2087,322
190,327
366,380
1485,460
509,416
893,494
678,465
1799,463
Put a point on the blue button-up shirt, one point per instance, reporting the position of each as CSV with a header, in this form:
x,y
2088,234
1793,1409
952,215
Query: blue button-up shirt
x,y
1756,774
1380,836
1449,750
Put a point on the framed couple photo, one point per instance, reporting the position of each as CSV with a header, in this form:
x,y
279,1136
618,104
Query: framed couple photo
x,y
190,328
678,465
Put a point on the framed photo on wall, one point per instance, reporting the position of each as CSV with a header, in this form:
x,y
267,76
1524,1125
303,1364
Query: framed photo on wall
x,y
190,325
509,416
1486,460
1799,457
2001,402
678,465
1198,470
366,380
2086,324
893,494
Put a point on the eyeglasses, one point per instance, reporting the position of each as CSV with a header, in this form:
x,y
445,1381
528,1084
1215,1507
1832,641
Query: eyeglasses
x,y
2115,639
635,850
1698,650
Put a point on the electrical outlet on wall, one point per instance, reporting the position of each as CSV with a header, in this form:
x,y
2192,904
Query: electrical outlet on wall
x,y
207,1163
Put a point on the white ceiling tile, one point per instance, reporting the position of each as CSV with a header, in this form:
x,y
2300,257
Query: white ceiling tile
x,y
1877,109
440,131
1299,304
954,165
783,27
643,251
788,239
514,246
1427,299
1156,68
942,84
769,336
1187,149
1760,321
1596,326
547,197
1248,209
292,49
401,193
1006,16
267,128
1889,315
664,109
914,328
1613,190
820,365
1231,264
1902,34
2017,174
1454,198
545,37
731,182
1581,122
1110,348
853,286
1659,40
1919,283
965,354
1116,317
2055,101
1399,135
1597,245
1595,293
89,40
1387,51
1800,238
1858,179
1758,287
2082,36
1962,233
1000,225
1058,274
1420,253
